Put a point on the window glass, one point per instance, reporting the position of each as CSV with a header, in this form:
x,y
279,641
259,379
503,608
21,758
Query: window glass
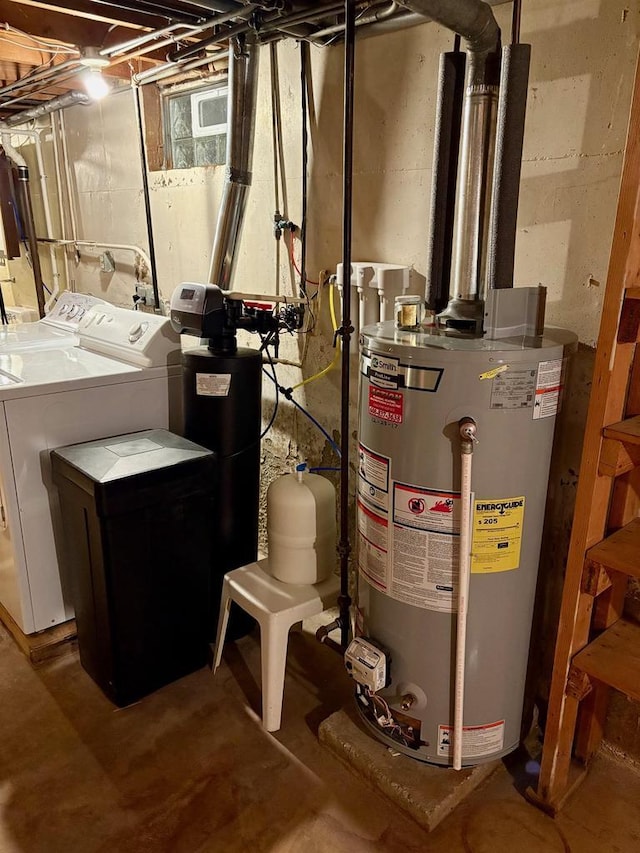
x,y
196,127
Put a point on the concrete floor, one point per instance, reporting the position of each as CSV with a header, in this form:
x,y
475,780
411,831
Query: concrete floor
x,y
190,770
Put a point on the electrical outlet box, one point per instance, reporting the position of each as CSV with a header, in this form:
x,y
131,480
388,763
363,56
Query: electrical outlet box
x,y
107,264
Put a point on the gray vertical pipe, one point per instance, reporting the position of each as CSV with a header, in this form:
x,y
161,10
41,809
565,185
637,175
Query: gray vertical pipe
x,y
30,234
445,170
243,81
512,106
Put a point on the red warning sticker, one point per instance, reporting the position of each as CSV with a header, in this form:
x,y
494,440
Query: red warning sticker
x,y
385,405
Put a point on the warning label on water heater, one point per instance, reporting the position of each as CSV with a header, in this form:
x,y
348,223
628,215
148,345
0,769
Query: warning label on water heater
x,y
476,740
386,405
373,545
424,547
497,534
548,389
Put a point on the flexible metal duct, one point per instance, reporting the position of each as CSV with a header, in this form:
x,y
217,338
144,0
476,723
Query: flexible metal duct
x,y
243,77
472,19
59,103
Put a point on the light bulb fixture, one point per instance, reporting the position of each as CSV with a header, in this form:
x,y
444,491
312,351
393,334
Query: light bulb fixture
x,y
90,57
95,84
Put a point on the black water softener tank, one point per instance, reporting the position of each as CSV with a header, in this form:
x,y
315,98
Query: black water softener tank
x,y
222,387
222,411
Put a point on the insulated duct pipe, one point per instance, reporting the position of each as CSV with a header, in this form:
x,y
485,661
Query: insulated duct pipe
x,y
75,96
243,77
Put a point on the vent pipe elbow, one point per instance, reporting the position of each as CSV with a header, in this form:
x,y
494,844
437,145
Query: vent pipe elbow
x,y
472,19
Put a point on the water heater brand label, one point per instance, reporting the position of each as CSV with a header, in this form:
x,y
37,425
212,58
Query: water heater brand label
x,y
476,740
548,389
383,371
497,534
386,405
213,384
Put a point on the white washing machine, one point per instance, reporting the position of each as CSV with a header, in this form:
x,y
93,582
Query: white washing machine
x,y
58,328
125,375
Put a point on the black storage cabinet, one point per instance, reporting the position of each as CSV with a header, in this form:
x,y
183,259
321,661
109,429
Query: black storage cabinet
x,y
137,512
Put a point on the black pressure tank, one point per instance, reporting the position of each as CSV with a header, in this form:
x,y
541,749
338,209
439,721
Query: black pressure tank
x,y
223,412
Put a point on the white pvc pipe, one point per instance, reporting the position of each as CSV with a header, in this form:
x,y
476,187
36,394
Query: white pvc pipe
x,y
463,603
61,212
67,175
125,247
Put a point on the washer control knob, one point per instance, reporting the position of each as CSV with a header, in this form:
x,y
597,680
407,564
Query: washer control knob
x,y
136,332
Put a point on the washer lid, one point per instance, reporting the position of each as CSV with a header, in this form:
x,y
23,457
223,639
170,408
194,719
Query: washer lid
x,y
45,371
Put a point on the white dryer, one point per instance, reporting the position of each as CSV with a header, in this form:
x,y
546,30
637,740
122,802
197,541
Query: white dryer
x,y
58,328
124,376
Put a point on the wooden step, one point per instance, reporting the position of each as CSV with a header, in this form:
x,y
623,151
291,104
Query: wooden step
x,y
620,449
614,658
628,431
619,552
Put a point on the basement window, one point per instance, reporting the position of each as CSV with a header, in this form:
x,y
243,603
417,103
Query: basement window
x,y
196,127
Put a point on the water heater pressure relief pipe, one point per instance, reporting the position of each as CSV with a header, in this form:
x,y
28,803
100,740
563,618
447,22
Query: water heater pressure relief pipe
x,y
468,437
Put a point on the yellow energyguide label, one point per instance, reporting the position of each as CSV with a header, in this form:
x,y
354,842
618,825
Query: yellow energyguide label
x,y
497,534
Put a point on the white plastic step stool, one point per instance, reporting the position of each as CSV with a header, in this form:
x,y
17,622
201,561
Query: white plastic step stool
x,y
276,606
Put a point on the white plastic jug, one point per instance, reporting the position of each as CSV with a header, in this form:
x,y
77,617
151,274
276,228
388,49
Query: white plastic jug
x,y
301,527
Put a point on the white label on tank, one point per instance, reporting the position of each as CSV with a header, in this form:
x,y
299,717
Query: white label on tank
x,y
373,545
373,478
425,547
476,740
548,389
213,384
383,371
515,389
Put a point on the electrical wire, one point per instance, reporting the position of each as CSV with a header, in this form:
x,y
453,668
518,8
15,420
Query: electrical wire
x,y
294,264
336,357
46,42
31,47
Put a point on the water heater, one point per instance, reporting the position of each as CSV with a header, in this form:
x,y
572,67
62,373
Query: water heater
x,y
415,389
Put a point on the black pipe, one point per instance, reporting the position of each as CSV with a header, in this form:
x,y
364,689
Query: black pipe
x,y
147,202
514,79
515,21
445,171
30,234
304,64
344,547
